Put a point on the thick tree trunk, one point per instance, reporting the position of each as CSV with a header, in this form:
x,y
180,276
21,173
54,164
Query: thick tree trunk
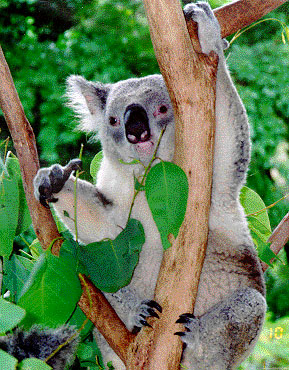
x,y
191,81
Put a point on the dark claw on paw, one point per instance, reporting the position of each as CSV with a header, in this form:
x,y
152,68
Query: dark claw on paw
x,y
154,304
43,201
185,318
144,323
152,313
179,333
74,165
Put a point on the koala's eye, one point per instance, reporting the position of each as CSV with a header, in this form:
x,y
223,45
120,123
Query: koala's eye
x,y
113,121
162,109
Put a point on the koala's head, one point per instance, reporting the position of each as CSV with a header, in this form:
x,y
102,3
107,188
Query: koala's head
x,y
127,116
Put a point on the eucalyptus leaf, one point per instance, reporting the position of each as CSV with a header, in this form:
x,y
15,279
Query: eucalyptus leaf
x,y
17,269
51,293
95,164
7,361
77,319
253,203
258,222
138,186
9,206
110,263
166,191
134,161
33,364
24,218
10,315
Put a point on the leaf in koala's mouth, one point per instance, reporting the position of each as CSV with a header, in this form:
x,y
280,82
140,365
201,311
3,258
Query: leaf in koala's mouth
x,y
145,149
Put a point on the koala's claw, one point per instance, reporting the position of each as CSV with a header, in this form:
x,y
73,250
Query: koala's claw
x,y
146,309
50,181
185,318
191,324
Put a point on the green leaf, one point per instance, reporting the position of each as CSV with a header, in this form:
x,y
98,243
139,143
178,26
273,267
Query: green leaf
x,y
35,248
287,33
138,186
95,164
253,203
51,292
77,319
166,190
259,223
10,315
24,218
110,263
87,353
17,269
9,205
7,361
264,252
33,364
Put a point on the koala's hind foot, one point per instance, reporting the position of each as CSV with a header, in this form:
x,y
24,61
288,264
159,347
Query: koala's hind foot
x,y
50,181
223,336
138,317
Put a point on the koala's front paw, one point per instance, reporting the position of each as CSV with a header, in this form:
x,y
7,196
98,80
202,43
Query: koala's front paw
x,y
146,309
208,27
192,325
50,181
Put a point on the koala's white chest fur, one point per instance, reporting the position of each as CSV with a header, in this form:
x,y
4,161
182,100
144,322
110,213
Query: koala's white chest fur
x,y
146,272
121,190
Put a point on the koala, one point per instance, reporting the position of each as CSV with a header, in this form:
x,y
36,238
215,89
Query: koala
x,y
128,117
41,343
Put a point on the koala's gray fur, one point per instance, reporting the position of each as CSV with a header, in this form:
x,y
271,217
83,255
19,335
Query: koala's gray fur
x,y
230,305
41,343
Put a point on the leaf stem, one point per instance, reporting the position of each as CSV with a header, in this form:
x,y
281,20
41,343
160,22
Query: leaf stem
x,y
268,207
240,32
154,157
75,196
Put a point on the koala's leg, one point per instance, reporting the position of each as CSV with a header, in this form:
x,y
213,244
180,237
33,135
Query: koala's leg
x,y
133,311
95,213
221,338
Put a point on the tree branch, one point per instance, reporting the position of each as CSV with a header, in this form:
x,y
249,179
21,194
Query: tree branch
x,y
99,311
241,13
25,145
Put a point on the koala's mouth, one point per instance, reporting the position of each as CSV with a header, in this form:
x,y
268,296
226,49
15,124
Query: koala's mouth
x,y
145,149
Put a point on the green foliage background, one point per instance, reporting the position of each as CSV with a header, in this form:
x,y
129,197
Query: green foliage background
x,y
107,40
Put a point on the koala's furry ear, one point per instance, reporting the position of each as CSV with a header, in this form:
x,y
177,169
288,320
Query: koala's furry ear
x,y
88,100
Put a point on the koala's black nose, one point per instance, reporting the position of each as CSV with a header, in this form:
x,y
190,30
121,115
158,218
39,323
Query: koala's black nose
x,y
136,124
